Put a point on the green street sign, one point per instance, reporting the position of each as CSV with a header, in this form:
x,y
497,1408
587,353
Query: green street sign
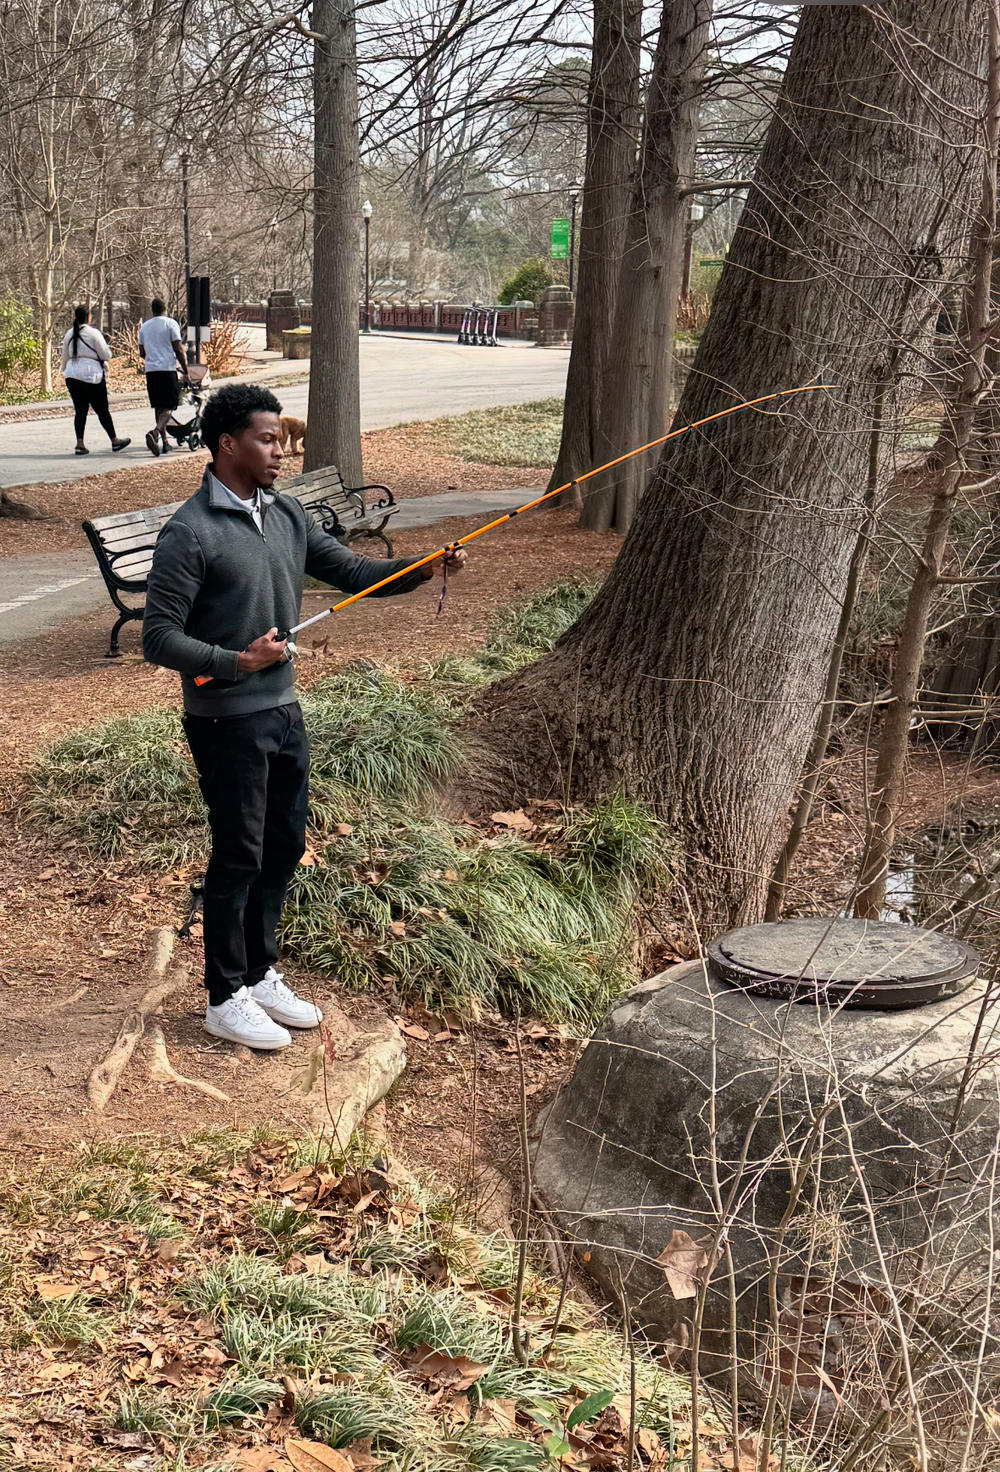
x,y
559,246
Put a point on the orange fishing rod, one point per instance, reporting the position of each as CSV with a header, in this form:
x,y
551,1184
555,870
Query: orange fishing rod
x,y
445,551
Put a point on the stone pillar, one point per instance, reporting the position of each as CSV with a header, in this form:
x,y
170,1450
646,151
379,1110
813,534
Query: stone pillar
x,y
282,315
555,316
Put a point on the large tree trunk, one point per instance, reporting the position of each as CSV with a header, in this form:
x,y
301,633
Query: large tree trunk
x,y
636,403
334,376
692,681
886,796
612,126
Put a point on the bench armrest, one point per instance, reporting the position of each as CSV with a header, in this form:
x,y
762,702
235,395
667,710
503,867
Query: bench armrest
x,y
386,499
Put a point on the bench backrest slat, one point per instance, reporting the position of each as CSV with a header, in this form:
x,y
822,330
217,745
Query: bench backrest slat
x,y
132,563
150,516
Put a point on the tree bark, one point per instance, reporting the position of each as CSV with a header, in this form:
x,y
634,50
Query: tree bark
x,y
887,795
334,376
636,405
612,128
692,682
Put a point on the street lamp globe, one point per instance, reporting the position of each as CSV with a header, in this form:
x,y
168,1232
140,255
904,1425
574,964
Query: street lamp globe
x,y
366,209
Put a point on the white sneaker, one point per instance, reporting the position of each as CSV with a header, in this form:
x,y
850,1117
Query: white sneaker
x,y
281,1004
240,1020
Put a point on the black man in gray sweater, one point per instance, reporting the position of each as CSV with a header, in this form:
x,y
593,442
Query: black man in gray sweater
x,y
228,565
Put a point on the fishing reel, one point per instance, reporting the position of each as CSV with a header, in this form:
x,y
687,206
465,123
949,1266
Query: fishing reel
x,y
290,650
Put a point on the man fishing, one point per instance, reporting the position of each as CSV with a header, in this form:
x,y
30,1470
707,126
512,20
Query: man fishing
x,y
226,580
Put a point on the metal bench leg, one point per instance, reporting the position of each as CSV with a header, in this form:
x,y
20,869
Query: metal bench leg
x,y
113,651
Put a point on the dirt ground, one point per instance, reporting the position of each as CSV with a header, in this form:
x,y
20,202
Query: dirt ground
x,y
75,934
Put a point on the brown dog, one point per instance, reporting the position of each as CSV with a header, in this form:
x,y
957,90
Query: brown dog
x,y
292,431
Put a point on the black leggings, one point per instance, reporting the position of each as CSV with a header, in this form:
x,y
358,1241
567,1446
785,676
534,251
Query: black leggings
x,y
90,396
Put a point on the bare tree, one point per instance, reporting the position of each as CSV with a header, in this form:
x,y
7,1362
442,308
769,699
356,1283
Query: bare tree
x,y
977,330
692,680
636,402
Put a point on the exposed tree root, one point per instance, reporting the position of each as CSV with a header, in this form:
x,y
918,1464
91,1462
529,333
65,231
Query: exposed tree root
x,y
21,510
163,1071
354,1082
106,1076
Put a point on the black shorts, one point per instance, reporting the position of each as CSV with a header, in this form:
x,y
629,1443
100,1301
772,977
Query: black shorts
x,y
162,390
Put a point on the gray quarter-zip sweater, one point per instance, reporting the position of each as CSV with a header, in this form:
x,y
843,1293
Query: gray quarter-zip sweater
x,y
217,583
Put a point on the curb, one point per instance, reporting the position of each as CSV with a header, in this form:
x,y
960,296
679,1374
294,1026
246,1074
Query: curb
x,y
133,398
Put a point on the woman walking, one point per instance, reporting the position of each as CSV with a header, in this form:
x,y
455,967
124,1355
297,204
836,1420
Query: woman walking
x,y
84,355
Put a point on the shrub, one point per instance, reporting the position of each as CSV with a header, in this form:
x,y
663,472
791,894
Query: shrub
x,y
226,352
526,282
19,348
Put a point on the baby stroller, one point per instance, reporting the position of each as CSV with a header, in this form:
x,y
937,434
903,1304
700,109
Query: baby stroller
x,y
187,430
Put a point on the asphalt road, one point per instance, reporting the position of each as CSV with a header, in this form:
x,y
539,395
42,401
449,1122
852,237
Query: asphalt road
x,y
402,378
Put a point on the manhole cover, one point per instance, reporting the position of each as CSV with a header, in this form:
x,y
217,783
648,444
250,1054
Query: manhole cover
x,y
852,963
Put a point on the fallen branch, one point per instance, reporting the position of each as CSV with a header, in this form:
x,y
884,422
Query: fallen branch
x,y
105,1077
163,1071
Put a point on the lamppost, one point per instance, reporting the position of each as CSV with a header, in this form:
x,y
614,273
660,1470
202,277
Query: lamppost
x,y
187,245
574,195
366,212
271,239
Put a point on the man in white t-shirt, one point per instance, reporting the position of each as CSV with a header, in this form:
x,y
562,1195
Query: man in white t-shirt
x,y
161,350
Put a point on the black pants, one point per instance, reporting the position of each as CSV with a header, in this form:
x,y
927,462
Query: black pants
x,y
254,776
90,396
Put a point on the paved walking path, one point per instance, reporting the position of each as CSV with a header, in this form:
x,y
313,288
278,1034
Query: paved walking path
x,y
402,379
40,592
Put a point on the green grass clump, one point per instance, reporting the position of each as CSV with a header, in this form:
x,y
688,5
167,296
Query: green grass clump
x,y
447,1321
463,922
122,784
264,1342
518,635
374,738
340,1417
128,785
236,1400
510,434
56,1321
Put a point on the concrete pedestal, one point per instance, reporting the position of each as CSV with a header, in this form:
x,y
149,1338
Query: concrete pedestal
x,y
282,316
297,343
556,309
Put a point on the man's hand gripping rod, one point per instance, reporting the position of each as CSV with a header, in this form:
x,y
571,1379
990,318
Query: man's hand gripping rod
x,y
451,547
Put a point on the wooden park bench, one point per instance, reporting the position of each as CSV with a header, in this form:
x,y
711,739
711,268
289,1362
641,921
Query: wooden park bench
x,y
123,543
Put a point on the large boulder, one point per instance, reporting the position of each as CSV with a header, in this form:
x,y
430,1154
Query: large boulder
x,y
824,1171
